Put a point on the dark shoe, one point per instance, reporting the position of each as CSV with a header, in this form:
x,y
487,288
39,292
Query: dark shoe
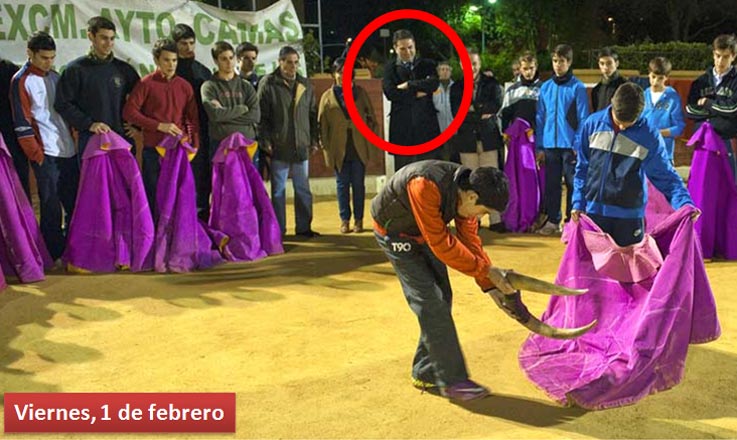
x,y
345,226
465,391
498,227
358,226
308,234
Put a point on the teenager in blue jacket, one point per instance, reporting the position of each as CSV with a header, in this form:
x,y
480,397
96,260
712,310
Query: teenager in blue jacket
x,y
561,109
616,149
663,109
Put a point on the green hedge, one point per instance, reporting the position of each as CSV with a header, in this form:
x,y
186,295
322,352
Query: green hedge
x,y
683,56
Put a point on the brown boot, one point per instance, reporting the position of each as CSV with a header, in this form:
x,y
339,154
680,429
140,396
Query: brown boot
x,y
358,226
345,226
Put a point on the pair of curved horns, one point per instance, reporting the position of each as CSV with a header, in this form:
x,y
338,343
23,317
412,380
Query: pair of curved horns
x,y
513,306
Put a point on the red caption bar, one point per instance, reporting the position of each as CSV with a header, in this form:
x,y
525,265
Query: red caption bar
x,y
120,412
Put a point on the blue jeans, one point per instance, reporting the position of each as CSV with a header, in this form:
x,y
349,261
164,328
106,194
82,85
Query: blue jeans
x,y
150,173
302,194
351,176
426,286
559,162
57,179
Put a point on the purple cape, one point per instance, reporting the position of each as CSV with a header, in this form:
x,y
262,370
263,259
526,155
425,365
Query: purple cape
x,y
241,209
712,189
644,328
111,227
183,243
22,250
657,209
525,181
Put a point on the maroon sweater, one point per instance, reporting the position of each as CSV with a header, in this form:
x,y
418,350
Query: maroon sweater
x,y
154,100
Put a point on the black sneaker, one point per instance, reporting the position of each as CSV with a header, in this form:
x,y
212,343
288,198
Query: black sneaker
x,y
498,227
308,234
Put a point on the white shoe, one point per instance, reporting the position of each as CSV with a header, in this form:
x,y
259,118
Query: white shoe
x,y
549,228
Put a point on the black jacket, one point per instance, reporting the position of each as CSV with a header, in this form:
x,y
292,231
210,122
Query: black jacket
x,y
288,117
601,94
93,90
488,101
412,120
721,105
7,70
391,208
196,74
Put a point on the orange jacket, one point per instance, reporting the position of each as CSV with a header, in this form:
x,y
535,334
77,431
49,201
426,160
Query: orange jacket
x,y
463,251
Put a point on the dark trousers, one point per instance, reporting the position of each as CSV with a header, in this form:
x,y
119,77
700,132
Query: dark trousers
x,y
57,179
202,172
351,177
732,157
559,162
150,173
624,231
20,163
426,287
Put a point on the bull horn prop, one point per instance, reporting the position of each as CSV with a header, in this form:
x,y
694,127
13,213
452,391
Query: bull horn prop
x,y
513,306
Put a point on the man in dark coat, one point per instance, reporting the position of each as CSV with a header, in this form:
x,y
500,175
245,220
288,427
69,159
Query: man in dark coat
x,y
20,161
409,83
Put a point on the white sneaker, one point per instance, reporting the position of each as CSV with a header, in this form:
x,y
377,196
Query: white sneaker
x,y
549,228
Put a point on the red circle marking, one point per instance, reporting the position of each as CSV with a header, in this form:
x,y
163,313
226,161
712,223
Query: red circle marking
x,y
350,103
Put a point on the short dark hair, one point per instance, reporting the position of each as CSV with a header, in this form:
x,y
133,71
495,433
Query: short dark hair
x,y
608,52
220,47
660,66
182,31
628,102
245,47
286,51
564,51
402,34
94,24
491,185
164,44
41,40
726,41
527,57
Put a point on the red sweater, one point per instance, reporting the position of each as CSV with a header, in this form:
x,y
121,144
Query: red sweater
x,y
155,100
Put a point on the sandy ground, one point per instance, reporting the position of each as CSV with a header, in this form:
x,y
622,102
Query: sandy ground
x,y
318,342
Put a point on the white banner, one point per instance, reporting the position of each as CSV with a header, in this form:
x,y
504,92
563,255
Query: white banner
x,y
141,22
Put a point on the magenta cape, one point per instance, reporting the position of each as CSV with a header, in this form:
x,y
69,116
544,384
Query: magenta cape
x,y
713,190
241,208
525,180
23,252
183,243
111,228
644,328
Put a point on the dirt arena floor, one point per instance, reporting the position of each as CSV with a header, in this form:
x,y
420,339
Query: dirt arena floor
x,y
317,343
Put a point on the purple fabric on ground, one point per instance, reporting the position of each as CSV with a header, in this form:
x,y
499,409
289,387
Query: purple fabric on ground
x,y
525,185
111,228
640,343
240,205
712,187
183,242
23,252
